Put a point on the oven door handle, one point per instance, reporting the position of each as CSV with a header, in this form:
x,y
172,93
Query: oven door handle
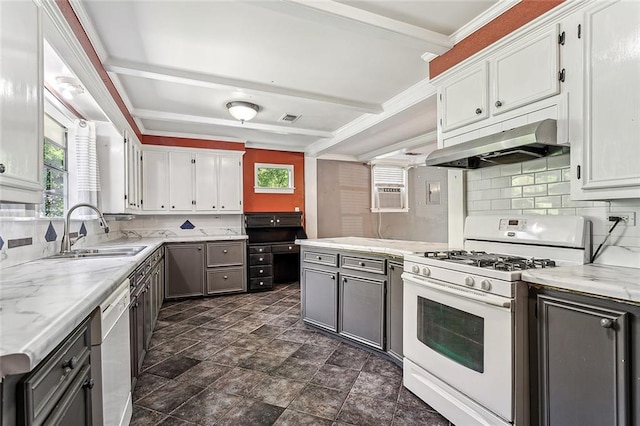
x,y
489,299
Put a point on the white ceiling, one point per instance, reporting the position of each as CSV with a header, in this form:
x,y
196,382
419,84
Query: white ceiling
x,y
355,71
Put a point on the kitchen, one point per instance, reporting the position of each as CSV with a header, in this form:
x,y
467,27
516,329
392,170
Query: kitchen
x,y
166,278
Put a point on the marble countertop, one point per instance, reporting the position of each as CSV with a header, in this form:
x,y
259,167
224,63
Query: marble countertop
x,y
374,245
42,301
613,282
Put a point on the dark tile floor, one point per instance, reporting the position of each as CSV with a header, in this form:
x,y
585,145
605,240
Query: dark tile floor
x,y
249,360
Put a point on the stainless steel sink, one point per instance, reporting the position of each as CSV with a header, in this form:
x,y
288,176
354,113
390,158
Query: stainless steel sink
x,y
99,252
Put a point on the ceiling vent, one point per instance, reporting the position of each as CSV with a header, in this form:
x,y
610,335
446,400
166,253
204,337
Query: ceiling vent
x,y
289,118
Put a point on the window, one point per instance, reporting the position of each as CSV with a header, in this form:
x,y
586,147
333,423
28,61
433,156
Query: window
x,y
388,188
274,178
55,168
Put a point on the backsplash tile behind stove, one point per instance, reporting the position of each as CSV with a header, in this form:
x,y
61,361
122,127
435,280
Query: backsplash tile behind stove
x,y
542,186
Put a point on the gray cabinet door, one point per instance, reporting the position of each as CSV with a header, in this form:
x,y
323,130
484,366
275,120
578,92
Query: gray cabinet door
x,y
319,298
226,280
583,370
362,310
394,311
184,265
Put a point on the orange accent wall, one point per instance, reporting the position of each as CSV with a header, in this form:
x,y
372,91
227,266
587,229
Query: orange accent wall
x,y
73,21
273,202
191,143
514,18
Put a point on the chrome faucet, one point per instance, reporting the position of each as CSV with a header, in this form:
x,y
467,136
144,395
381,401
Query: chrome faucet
x,y
66,241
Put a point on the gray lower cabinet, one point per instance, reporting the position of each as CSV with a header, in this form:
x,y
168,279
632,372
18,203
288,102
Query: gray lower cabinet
x,y
319,294
361,314
394,310
184,270
225,271
583,364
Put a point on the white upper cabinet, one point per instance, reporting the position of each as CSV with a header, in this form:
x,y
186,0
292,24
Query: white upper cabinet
x,y
155,180
178,180
230,177
133,178
206,181
21,105
525,72
605,102
464,99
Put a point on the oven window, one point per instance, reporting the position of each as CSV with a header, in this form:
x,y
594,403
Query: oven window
x,y
456,334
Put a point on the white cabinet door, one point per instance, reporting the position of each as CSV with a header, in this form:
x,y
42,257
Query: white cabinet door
x,y
155,179
605,151
230,178
21,107
206,182
133,178
464,100
181,181
526,72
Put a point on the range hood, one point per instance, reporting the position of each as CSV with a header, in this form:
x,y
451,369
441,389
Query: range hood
x,y
531,141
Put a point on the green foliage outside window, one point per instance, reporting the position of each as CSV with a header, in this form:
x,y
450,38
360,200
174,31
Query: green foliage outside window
x,y
54,179
273,178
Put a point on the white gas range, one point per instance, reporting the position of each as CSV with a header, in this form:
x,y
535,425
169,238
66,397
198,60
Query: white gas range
x,y
465,328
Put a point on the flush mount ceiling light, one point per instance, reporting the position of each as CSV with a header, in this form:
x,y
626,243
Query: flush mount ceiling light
x,y
69,86
243,111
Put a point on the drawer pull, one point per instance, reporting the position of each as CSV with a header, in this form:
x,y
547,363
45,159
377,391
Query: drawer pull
x,y
261,270
261,283
88,384
318,257
261,259
333,277
361,263
225,251
290,248
260,250
226,277
70,364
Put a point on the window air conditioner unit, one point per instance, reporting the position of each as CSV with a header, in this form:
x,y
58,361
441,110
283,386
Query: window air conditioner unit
x,y
389,190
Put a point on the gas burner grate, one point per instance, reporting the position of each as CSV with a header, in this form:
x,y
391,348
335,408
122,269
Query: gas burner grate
x,y
483,259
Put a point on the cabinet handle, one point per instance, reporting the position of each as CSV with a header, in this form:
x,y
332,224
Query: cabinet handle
x,y
290,248
498,104
278,220
225,251
478,111
319,258
606,322
344,280
261,259
173,207
333,277
213,207
361,263
261,270
225,277
88,384
162,207
261,283
135,305
2,168
70,364
271,221
260,250
393,268
223,207
199,248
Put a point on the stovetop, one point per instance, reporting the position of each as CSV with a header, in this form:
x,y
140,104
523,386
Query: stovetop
x,y
481,259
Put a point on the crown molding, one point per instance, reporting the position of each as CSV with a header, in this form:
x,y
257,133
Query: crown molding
x,y
274,147
481,20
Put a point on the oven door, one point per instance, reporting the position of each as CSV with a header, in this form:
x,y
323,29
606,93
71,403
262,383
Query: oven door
x,y
463,337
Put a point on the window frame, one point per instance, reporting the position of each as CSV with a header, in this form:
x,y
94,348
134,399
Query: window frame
x,y
264,190
64,170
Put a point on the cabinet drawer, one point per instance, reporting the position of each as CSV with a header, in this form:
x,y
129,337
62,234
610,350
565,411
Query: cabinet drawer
x,y
261,283
225,280
223,254
260,271
285,248
364,264
260,259
329,259
45,385
259,249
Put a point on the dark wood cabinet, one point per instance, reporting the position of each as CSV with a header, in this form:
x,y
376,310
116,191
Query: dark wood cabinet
x,y
585,361
184,270
266,220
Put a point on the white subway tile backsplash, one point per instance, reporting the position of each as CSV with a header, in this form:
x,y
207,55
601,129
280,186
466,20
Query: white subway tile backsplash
x,y
522,180
538,165
490,172
500,204
480,185
568,202
490,194
472,175
560,188
534,190
511,169
480,205
501,182
548,177
558,161
570,212
566,175
474,195
552,202
522,203
534,211
513,192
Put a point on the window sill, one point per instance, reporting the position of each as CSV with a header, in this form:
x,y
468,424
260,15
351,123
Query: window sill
x,y
273,190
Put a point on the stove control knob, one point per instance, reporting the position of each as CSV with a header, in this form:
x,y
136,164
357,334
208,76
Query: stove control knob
x,y
426,271
415,269
469,281
486,285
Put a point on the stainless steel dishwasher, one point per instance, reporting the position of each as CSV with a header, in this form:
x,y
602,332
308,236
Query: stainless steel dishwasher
x,y
110,351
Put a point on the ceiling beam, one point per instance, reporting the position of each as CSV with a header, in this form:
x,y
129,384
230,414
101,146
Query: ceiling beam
x,y
186,118
417,93
430,41
402,147
155,72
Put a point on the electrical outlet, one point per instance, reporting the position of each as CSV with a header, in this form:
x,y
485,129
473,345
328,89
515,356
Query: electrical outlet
x,y
628,218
